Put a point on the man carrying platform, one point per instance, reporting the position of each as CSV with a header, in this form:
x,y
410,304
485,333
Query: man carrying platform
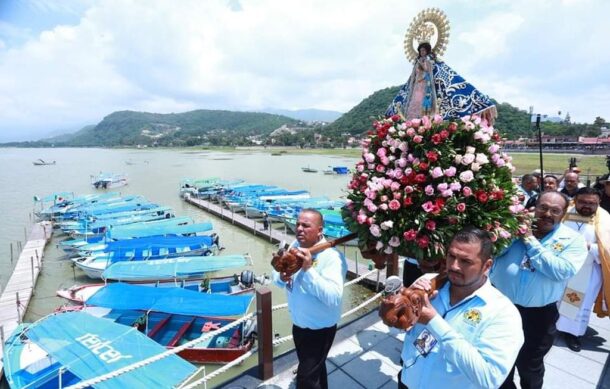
x,y
468,334
314,294
533,273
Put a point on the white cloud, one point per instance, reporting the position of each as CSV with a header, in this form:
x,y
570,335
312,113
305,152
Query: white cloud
x,y
169,57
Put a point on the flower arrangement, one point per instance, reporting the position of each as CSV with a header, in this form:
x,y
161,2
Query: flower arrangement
x,y
421,180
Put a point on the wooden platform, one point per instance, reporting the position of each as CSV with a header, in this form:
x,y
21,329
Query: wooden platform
x,y
355,267
23,280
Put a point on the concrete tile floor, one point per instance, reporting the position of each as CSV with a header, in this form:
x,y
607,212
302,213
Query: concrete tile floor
x,y
367,356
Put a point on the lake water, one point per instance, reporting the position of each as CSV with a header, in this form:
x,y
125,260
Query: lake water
x,y
155,174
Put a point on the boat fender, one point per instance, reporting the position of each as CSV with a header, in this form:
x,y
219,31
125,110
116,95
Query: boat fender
x,y
210,326
250,329
222,342
247,278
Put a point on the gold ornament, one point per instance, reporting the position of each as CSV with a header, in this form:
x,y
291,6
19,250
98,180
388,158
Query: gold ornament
x,y
430,25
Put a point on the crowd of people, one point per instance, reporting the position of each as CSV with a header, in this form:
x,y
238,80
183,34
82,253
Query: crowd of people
x,y
494,315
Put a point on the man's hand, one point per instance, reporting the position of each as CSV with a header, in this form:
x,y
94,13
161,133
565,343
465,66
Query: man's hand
x,y
285,277
305,256
427,311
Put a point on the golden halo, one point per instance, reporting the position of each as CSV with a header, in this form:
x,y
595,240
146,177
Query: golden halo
x,y
430,25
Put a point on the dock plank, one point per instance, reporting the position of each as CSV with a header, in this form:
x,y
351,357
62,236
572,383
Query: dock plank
x,y
21,280
273,235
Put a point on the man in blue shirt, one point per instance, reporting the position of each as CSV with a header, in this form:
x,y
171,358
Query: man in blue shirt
x,y
468,334
533,273
314,300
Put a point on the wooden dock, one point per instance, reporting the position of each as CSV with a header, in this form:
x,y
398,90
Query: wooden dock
x,y
355,267
20,287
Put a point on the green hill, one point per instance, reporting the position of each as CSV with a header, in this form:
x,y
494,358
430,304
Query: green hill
x,y
512,122
126,128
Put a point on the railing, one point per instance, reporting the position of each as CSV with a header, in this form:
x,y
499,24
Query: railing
x,y
264,349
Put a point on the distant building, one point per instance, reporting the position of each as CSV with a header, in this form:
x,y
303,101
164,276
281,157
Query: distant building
x,y
547,118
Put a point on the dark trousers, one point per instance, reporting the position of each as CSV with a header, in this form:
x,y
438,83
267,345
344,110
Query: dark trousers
x,y
410,273
539,331
400,384
312,348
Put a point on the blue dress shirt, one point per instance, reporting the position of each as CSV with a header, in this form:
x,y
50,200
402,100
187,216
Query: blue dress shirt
x,y
315,295
534,273
477,342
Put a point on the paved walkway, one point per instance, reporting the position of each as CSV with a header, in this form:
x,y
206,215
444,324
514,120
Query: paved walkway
x,y
366,354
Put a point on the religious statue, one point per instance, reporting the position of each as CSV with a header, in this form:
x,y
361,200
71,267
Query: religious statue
x,y
434,87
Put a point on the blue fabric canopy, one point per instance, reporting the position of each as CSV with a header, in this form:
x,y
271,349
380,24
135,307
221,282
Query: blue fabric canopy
x,y
128,231
159,242
178,301
171,268
89,347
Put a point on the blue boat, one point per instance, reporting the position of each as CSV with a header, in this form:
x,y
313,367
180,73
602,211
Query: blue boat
x,y
235,284
161,227
173,316
67,348
151,249
172,268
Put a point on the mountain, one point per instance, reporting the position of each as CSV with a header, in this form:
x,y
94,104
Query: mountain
x,y
358,119
307,115
512,122
65,137
128,128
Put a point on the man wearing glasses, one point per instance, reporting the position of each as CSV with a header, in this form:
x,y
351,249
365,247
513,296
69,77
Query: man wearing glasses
x,y
533,273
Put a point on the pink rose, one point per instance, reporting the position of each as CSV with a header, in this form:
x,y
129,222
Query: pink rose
x,y
467,191
426,122
455,186
383,207
369,157
431,225
394,241
418,139
447,193
438,119
468,159
436,172
415,123
493,148
375,230
361,219
408,189
466,176
461,207
428,206
442,186
380,168
372,208
382,152
394,186
394,205
410,132
429,190
450,172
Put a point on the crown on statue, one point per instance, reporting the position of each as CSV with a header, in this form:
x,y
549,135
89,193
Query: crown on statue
x,y
429,26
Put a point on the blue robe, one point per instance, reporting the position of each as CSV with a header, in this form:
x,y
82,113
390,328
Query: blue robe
x,y
455,96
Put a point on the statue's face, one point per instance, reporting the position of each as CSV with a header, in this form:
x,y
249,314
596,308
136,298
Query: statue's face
x,y
423,52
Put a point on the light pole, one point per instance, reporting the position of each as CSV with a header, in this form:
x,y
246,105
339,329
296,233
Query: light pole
x,y
540,152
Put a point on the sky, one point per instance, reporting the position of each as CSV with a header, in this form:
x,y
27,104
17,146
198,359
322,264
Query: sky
x,y
66,64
